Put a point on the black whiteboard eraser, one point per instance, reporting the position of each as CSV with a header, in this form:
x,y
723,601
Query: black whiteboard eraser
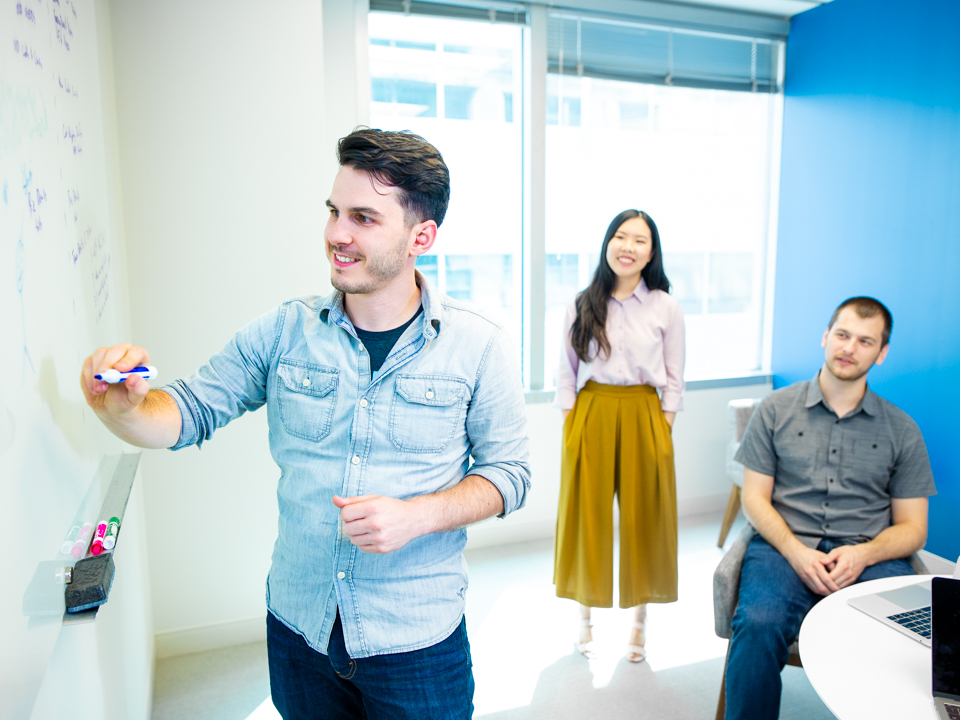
x,y
92,578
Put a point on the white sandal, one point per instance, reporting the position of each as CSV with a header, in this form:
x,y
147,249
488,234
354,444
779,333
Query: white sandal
x,y
586,648
637,653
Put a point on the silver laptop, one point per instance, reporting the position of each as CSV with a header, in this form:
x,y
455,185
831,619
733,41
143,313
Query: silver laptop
x,y
906,609
929,612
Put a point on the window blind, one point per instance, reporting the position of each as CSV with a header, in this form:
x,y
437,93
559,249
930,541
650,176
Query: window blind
x,y
492,12
622,50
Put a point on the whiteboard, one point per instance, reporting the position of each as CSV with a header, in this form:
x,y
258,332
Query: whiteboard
x,y
60,297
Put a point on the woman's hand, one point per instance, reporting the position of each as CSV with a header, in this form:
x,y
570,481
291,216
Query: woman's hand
x,y
670,417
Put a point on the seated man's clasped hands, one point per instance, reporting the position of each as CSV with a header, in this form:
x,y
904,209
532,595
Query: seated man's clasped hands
x,y
836,483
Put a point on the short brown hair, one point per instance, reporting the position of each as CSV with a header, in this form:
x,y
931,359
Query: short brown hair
x,y
404,161
867,307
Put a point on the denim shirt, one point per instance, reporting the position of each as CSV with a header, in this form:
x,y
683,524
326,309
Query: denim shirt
x,y
449,393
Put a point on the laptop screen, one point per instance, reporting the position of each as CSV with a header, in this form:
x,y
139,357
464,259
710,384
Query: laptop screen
x,y
945,626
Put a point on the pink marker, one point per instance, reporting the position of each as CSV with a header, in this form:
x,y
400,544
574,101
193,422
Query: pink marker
x,y
83,539
98,537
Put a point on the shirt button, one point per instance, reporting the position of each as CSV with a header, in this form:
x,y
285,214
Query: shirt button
x,y
429,394
834,451
827,526
364,403
341,575
831,479
356,460
826,504
306,382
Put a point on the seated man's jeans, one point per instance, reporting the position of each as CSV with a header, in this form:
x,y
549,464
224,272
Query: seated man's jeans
x,y
435,682
773,603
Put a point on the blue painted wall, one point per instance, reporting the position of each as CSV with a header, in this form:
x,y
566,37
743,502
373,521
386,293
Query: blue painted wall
x,y
870,205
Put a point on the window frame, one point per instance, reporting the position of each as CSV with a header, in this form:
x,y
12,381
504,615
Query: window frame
x,y
533,118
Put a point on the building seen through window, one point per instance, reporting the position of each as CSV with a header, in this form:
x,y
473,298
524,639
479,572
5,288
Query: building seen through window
x,y
458,83
697,158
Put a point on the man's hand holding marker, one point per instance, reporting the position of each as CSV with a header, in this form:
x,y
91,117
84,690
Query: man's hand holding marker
x,y
114,382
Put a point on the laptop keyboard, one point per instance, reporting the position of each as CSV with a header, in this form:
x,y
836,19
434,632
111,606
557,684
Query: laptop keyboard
x,y
917,621
953,711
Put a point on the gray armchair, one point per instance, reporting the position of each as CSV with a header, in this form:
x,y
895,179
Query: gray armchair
x,y
739,413
726,593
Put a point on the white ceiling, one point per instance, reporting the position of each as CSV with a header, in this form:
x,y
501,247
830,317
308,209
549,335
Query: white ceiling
x,y
782,8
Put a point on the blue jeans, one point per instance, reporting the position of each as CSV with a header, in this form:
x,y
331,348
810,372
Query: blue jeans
x,y
773,603
436,682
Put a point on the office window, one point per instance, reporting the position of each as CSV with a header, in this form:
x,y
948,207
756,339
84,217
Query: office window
x,y
696,158
682,124
458,83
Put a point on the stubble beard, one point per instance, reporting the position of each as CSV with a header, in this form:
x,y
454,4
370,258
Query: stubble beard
x,y
848,377
381,271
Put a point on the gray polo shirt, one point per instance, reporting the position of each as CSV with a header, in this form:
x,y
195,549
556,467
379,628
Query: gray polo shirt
x,y
834,477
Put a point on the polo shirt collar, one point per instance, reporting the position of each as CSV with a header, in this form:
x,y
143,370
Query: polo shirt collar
x,y
868,403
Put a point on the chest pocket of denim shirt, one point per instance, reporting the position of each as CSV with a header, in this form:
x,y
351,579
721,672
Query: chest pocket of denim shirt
x,y
307,396
427,411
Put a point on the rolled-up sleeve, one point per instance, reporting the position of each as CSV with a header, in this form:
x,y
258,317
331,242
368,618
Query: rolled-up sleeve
x,y
674,357
230,383
566,393
497,424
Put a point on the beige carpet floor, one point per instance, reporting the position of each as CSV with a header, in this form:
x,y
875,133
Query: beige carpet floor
x,y
522,642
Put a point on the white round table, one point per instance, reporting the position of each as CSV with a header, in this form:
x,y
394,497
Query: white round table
x,y
862,668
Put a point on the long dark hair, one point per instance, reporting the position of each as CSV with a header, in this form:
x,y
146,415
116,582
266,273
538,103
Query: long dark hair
x,y
591,321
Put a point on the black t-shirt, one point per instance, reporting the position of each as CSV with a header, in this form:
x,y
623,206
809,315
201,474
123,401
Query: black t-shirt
x,y
379,344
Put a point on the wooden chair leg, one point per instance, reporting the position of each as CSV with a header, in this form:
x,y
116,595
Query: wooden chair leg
x,y
722,701
733,507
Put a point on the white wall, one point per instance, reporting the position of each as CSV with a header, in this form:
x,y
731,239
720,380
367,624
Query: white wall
x,y
225,170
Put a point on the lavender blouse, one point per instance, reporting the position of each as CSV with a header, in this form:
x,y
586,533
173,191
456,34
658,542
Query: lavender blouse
x,y
647,347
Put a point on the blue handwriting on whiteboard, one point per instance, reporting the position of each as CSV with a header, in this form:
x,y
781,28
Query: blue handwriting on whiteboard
x,y
27,52
27,13
74,135
63,30
67,87
36,196
77,250
20,272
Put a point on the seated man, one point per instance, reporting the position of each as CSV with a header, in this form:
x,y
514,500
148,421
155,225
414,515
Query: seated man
x,y
836,483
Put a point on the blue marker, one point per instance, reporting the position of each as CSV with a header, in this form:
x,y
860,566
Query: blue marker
x,y
115,376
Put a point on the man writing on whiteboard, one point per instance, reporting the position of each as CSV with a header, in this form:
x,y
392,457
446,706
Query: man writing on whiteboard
x,y
378,397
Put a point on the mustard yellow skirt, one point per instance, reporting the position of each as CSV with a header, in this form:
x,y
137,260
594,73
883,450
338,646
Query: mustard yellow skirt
x,y
616,442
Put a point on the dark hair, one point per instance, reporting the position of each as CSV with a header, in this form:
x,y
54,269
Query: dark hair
x,y
867,307
590,323
404,161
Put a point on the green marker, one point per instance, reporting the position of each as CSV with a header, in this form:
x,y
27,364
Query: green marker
x,y
110,539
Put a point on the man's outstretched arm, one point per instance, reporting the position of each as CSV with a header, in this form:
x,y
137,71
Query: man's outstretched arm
x,y
378,524
806,562
130,410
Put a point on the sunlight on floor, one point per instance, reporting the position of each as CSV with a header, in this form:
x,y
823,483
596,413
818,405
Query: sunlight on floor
x,y
527,631
266,711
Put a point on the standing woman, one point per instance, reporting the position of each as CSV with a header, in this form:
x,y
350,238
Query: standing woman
x,y
623,341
